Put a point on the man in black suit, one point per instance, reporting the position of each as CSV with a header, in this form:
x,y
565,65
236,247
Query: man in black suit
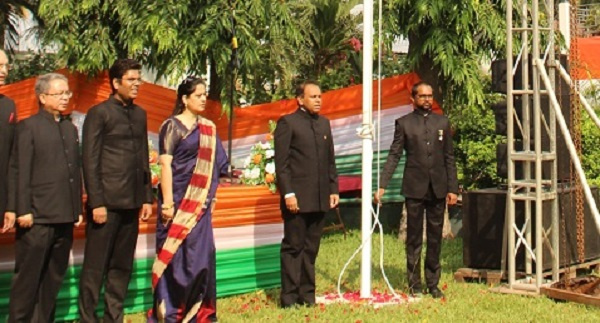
x,y
308,184
48,202
117,180
429,183
8,119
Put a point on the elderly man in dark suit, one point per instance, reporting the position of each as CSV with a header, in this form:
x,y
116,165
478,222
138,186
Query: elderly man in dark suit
x,y
48,202
117,180
429,183
308,184
8,119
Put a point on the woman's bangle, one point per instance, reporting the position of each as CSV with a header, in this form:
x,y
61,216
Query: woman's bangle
x,y
167,206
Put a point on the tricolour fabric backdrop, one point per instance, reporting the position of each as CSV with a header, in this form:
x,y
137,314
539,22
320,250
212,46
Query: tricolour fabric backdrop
x,y
247,223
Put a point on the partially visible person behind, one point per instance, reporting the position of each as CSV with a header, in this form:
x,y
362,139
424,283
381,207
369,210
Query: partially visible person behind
x,y
308,183
192,158
48,202
8,119
117,180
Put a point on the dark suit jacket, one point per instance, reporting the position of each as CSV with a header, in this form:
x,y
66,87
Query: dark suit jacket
x,y
427,139
305,160
49,173
115,156
8,119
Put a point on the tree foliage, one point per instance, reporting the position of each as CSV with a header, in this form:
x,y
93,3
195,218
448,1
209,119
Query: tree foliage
x,y
32,65
475,141
329,53
590,137
331,29
448,41
278,40
175,37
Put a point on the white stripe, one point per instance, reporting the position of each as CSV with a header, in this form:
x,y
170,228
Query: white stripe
x,y
346,141
345,135
247,236
146,248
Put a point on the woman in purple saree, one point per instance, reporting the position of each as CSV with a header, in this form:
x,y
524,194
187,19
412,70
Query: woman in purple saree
x,y
192,159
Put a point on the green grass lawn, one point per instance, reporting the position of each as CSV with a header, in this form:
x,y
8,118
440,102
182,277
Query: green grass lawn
x,y
464,301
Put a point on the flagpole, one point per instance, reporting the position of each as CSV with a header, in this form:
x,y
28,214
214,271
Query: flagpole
x,y
367,149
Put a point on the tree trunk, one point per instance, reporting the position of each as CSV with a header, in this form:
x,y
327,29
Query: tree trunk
x,y
215,82
446,231
426,69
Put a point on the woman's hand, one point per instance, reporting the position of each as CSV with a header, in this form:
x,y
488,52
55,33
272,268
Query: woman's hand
x,y
167,214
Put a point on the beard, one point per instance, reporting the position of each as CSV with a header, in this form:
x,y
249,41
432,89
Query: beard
x,y
426,106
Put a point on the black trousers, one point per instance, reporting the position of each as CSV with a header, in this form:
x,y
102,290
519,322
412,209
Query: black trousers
x,y
42,258
299,249
109,251
415,208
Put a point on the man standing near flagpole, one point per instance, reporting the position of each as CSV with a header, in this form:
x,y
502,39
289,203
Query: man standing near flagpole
x,y
308,184
429,183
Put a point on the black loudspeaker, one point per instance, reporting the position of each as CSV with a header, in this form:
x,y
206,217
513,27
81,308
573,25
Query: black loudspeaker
x,y
499,74
501,116
483,224
502,160
563,158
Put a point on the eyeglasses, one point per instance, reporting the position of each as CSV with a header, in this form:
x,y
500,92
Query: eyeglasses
x,y
133,81
425,96
67,94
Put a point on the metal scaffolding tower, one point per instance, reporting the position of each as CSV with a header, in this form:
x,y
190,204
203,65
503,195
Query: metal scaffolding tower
x,y
537,52
531,37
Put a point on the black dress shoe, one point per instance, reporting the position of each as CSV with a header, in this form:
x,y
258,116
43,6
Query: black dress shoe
x,y
284,306
418,291
436,293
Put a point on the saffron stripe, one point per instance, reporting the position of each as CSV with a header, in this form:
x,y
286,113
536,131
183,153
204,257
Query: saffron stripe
x,y
199,180
206,130
188,206
164,256
205,154
177,231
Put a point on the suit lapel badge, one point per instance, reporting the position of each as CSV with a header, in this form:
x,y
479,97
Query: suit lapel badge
x,y
325,137
441,134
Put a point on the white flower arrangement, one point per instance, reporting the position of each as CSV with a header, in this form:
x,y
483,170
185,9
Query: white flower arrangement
x,y
260,165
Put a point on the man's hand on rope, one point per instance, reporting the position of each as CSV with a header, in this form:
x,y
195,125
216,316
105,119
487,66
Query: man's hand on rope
x,y
451,199
378,195
334,200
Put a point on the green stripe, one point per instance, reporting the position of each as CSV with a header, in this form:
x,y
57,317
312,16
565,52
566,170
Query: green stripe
x,y
238,271
352,165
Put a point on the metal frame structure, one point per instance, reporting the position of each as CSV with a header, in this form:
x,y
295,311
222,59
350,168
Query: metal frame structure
x,y
532,188
537,51
367,149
